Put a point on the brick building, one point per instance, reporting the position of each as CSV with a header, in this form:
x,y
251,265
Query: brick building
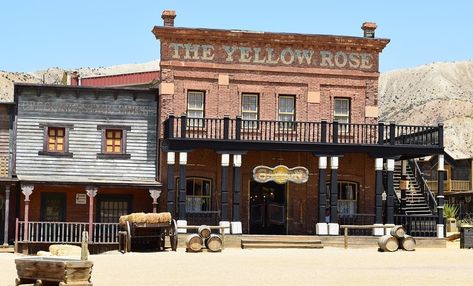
x,y
277,133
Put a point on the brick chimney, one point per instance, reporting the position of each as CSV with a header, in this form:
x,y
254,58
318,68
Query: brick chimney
x,y
368,29
168,17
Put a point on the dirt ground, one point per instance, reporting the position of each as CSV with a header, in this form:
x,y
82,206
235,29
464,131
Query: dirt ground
x,y
328,266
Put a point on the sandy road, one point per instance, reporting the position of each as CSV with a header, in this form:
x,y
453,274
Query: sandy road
x,y
328,266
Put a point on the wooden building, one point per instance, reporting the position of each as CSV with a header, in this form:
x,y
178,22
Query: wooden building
x,y
83,157
277,133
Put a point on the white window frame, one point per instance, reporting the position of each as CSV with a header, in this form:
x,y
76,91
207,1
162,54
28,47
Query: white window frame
x,y
340,116
287,124
191,120
250,123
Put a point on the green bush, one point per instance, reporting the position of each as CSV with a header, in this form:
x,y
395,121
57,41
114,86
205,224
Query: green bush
x,y
450,211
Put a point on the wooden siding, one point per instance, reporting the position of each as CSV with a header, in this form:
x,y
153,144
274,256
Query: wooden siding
x,y
4,141
85,111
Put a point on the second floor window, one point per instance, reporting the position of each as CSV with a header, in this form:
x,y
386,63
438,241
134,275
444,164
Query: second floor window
x,y
341,111
286,111
113,141
249,110
195,108
56,139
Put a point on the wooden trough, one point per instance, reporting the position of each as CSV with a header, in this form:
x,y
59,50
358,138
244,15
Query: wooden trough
x,y
64,271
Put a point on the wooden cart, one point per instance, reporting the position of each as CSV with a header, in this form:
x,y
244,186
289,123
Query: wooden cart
x,y
147,236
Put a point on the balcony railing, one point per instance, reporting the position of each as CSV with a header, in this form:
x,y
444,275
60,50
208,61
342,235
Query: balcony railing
x,y
4,165
65,232
301,132
456,186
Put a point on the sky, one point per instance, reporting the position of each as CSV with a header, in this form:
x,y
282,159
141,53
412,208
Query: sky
x,y
37,34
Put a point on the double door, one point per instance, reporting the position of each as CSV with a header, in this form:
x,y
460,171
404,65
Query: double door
x,y
267,208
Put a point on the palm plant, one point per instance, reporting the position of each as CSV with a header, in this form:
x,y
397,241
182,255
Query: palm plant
x,y
450,210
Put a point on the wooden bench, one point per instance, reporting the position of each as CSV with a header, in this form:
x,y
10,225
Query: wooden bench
x,y
349,226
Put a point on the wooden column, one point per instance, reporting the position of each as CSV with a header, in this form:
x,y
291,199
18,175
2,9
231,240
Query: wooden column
x,y
440,192
171,184
390,192
91,192
182,185
379,191
27,190
236,187
322,188
7,210
155,193
333,190
224,188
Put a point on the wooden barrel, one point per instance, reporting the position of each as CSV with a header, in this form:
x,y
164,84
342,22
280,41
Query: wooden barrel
x,y
407,243
194,243
398,231
388,243
214,243
204,231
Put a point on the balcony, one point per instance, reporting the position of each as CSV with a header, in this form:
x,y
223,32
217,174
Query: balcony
x,y
182,133
451,186
4,166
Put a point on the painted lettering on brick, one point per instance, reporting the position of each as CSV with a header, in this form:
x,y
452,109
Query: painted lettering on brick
x,y
271,56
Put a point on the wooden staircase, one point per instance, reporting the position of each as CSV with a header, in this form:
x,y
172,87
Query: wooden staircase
x,y
281,241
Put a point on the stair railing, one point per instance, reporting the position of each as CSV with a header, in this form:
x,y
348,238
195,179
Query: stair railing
x,y
424,187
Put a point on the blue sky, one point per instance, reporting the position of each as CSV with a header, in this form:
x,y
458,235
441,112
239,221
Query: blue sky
x,y
56,33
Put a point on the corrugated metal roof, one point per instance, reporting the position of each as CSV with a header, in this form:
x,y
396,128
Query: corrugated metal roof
x,y
130,79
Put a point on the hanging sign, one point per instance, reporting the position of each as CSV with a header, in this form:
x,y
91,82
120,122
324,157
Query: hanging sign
x,y
81,199
280,174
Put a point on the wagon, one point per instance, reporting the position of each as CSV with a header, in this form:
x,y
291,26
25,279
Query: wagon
x,y
147,235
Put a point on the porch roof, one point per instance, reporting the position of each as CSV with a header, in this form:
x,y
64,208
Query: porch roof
x,y
77,180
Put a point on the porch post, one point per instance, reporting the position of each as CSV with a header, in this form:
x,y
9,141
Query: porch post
x,y
322,227
225,162
27,190
235,226
182,221
91,193
7,210
333,227
390,193
440,197
171,194
378,166
155,193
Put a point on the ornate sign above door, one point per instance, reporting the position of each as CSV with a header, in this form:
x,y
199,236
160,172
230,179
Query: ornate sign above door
x,y
280,174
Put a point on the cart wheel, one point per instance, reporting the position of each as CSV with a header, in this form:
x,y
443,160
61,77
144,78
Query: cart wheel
x,y
128,237
173,235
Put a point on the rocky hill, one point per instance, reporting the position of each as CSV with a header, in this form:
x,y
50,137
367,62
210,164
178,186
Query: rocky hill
x,y
57,75
426,95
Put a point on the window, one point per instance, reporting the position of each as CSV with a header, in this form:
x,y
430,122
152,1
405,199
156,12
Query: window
x,y
111,207
53,207
341,111
249,110
286,111
347,197
198,194
55,139
113,142
195,108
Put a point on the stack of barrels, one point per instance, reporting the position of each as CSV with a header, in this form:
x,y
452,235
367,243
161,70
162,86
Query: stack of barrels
x,y
203,238
397,238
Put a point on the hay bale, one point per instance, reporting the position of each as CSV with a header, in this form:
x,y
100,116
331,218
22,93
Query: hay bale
x,y
123,219
137,218
164,217
65,250
43,253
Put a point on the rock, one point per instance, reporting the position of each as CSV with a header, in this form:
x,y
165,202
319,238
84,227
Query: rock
x,y
65,250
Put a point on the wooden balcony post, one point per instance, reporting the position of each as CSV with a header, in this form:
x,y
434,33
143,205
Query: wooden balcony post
x,y
379,191
7,210
91,192
226,125
170,126
183,125
27,191
440,195
155,193
380,133
335,131
171,182
323,131
392,133
238,128
390,192
440,135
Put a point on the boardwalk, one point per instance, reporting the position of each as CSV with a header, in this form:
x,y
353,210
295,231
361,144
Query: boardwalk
x,y
329,266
